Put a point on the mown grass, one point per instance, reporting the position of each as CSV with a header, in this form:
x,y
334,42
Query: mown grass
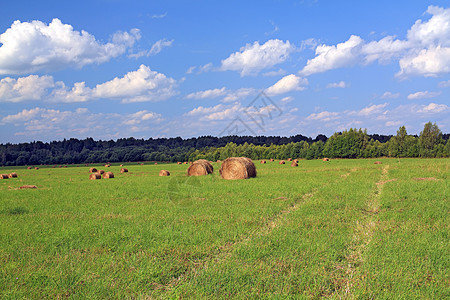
x,y
333,229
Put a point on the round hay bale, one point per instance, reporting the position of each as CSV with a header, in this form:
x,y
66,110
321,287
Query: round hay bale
x,y
156,163
199,168
29,168
37,168
101,172
95,176
179,163
164,173
263,161
325,159
294,164
124,170
4,176
12,175
289,159
378,162
107,166
92,170
295,160
108,175
121,166
271,159
237,168
281,162
185,163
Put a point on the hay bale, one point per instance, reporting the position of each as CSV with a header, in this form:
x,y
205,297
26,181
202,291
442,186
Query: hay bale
x,y
378,162
289,159
294,164
107,166
29,168
4,176
199,168
101,172
108,175
124,170
237,168
121,166
27,186
164,173
185,163
179,163
37,168
12,175
156,163
263,161
92,170
295,160
281,162
325,159
271,159
95,176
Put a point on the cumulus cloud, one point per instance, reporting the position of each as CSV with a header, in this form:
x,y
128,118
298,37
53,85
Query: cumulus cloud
x,y
433,108
424,52
323,116
239,94
52,123
216,113
136,86
213,93
32,87
253,58
340,84
287,84
423,95
333,57
31,46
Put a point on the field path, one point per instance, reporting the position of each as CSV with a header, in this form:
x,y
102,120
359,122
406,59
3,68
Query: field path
x,y
362,237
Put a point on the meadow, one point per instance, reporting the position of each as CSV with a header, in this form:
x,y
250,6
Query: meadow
x,y
338,229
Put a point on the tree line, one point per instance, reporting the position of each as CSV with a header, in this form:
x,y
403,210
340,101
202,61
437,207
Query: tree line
x,y
352,143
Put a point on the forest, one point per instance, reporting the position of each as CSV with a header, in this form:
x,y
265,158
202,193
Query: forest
x,y
352,143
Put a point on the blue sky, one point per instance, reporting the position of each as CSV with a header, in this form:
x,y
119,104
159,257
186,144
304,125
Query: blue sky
x,y
111,69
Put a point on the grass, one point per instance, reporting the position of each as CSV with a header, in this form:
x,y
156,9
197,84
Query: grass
x,y
338,229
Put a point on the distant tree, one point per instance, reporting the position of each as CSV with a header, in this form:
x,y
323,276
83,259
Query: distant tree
x,y
430,136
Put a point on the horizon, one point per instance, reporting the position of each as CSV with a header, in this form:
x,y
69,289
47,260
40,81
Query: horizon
x,y
111,69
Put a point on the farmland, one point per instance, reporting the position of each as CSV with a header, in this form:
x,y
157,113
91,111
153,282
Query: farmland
x,y
337,229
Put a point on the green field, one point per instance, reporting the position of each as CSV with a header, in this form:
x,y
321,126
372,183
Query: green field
x,y
338,229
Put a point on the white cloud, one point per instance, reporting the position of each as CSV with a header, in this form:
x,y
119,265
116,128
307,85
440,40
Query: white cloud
x,y
333,57
191,70
389,95
239,94
137,86
393,123
444,84
372,109
253,58
275,73
156,48
324,116
216,113
287,84
433,108
213,93
428,62
425,51
49,124
32,46
32,87
340,84
287,99
159,16
423,95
